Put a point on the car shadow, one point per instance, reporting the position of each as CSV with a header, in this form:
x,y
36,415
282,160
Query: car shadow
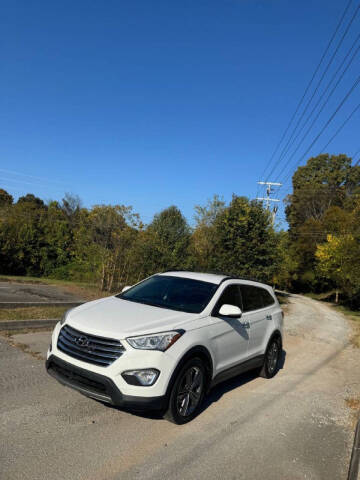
x,y
239,328
153,415
221,389
213,396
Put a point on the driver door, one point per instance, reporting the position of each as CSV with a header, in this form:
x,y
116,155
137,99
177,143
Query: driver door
x,y
229,336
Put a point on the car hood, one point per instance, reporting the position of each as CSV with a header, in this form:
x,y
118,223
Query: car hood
x,y
113,316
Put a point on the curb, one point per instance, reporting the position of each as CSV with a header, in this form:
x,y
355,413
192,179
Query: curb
x,y
22,324
39,304
355,456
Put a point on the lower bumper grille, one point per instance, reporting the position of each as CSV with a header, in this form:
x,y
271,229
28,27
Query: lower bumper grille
x,y
89,348
77,379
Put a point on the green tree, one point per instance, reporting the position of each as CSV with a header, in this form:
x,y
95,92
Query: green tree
x,y
56,241
102,241
338,259
5,198
287,265
31,199
168,236
325,181
202,242
323,191
21,236
245,240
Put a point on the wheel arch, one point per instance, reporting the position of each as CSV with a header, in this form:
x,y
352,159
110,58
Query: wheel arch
x,y
198,351
275,334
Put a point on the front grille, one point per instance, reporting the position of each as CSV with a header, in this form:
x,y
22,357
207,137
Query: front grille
x,y
89,348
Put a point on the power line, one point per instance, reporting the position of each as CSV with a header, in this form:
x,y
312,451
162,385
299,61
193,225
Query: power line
x,y
354,154
341,127
336,133
321,97
12,172
307,87
321,109
23,182
325,126
288,144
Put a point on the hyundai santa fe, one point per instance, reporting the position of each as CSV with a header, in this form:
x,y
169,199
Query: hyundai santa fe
x,y
164,342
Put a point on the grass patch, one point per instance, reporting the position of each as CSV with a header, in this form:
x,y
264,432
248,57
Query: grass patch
x,y
15,279
33,280
353,403
354,314
32,313
282,297
10,333
354,317
85,292
324,296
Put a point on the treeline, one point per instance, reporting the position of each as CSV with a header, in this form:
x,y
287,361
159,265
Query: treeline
x,y
322,247
111,246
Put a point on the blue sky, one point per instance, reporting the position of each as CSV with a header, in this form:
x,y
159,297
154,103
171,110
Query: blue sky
x,y
153,103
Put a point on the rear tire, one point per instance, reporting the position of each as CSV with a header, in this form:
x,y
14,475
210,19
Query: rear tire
x,y
272,358
187,392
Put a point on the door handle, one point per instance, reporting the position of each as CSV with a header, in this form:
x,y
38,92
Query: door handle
x,y
245,324
268,317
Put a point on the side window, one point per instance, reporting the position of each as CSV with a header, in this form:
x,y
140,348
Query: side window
x,y
230,296
267,298
251,297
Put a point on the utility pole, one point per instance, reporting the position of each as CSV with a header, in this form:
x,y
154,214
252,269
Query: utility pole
x,y
267,199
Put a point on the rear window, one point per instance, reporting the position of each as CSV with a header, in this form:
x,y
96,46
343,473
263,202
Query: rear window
x,y
251,298
254,298
267,298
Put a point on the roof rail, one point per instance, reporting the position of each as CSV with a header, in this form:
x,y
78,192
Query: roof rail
x,y
227,276
249,279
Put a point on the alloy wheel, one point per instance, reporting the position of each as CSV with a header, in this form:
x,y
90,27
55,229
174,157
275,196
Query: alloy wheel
x,y
189,391
272,357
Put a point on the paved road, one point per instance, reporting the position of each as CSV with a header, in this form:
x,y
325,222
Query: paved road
x,y
23,292
295,426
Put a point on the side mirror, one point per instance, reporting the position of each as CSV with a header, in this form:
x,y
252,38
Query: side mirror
x,y
230,311
125,288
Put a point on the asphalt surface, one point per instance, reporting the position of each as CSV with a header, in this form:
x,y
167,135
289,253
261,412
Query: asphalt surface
x,y
20,292
294,426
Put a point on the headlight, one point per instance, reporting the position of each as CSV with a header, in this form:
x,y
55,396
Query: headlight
x,y
62,321
159,341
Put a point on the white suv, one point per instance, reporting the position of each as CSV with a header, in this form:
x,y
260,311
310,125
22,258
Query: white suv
x,y
163,343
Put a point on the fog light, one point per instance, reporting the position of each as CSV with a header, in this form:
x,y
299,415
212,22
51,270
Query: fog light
x,y
144,378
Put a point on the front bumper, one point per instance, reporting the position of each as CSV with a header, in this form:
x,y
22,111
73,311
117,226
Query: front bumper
x,y
99,387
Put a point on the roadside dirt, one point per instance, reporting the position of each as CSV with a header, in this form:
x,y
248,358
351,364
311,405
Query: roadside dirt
x,y
298,425
318,328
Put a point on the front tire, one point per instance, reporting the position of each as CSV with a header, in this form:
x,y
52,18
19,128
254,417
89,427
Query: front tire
x,y
187,392
272,359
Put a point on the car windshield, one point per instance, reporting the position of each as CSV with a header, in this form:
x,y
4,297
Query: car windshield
x,y
175,293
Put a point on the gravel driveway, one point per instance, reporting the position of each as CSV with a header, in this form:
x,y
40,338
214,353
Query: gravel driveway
x,y
295,426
